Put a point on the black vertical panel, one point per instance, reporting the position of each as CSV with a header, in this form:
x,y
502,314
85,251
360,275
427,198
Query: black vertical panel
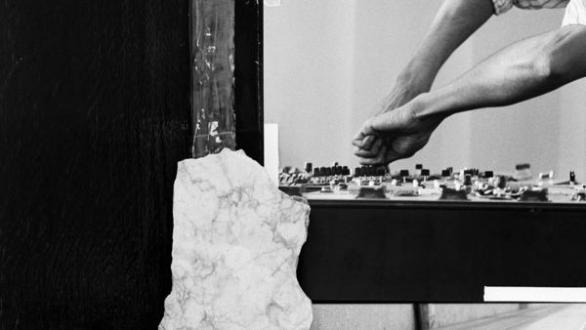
x,y
248,78
94,115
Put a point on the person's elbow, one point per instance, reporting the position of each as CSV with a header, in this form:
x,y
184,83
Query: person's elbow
x,y
563,58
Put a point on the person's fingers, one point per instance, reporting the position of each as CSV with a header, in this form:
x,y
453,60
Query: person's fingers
x,y
365,137
371,161
368,141
377,145
378,160
365,142
369,153
364,153
358,141
360,135
384,157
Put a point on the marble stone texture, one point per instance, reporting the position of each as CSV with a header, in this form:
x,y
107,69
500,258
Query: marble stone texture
x,y
236,242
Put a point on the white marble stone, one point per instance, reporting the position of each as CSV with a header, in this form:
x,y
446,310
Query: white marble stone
x,y
236,242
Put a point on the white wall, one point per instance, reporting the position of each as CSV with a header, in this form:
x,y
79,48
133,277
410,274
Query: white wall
x,y
308,60
328,63
572,133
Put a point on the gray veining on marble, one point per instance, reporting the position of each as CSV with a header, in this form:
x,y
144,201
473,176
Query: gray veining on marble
x,y
236,243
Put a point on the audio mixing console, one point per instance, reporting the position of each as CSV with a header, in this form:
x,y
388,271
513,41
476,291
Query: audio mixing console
x,y
470,184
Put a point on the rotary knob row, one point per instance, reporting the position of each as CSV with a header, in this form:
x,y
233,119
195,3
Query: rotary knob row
x,y
328,171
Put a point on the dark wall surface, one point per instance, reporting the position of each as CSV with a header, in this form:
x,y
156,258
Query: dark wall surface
x,y
94,115
248,78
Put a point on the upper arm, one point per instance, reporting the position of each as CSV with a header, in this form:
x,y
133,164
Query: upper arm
x,y
566,53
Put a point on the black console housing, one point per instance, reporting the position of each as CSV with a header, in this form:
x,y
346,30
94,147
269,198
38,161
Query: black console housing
x,y
442,251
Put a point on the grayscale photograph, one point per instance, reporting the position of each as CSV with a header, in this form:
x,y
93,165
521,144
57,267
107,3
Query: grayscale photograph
x,y
293,164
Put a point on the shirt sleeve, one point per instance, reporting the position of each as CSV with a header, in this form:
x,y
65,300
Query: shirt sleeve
x,y
575,13
502,6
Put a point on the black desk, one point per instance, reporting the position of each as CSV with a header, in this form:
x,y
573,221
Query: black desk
x,y
391,251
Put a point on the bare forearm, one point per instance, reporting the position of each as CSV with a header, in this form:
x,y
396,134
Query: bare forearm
x,y
453,24
524,70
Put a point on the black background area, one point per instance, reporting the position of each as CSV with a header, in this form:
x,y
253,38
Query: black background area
x,y
94,115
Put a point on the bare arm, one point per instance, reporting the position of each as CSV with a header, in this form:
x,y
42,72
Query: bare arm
x,y
524,70
453,24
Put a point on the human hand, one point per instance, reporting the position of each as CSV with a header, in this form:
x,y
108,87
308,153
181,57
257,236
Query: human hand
x,y
404,91
393,135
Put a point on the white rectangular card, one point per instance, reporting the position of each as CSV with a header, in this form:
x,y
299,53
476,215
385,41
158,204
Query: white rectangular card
x,y
534,294
271,150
